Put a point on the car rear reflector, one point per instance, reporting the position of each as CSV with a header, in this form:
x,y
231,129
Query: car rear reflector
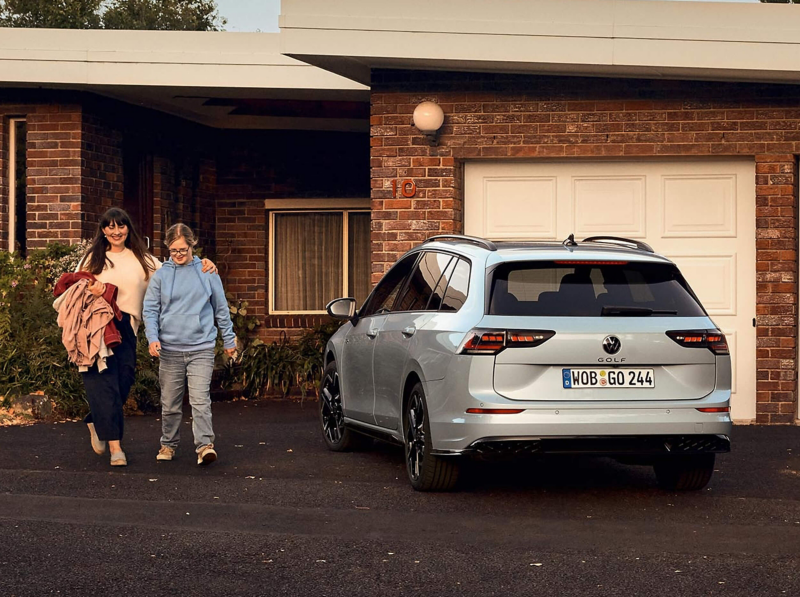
x,y
716,409
495,411
493,341
713,340
573,262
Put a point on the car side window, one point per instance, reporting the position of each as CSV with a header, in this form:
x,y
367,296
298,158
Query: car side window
x,y
457,289
436,298
423,281
385,293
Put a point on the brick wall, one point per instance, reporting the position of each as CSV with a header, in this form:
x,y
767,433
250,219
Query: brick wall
x,y
277,164
523,117
53,160
101,174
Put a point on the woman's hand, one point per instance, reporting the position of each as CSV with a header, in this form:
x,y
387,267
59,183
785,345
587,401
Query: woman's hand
x,y
231,352
97,288
208,266
155,349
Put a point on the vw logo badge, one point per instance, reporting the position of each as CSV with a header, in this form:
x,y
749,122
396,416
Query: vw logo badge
x,y
612,344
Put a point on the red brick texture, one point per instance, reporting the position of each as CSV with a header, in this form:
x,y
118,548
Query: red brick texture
x,y
523,117
101,174
54,177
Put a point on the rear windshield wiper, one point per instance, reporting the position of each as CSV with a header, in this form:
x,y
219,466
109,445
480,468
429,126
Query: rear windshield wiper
x,y
636,311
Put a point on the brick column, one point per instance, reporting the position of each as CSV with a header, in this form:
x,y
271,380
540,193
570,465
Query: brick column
x,y
54,174
398,151
776,302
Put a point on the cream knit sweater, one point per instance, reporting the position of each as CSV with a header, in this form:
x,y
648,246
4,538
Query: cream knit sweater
x,y
128,276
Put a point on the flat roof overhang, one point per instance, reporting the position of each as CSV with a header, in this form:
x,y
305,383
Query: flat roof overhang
x,y
613,38
224,80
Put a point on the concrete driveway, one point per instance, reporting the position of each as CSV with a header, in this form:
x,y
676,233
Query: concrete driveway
x,y
280,515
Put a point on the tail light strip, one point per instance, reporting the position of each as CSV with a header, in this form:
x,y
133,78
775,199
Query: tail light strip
x,y
494,341
713,340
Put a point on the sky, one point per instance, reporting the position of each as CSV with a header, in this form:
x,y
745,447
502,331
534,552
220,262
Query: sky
x,y
262,15
250,15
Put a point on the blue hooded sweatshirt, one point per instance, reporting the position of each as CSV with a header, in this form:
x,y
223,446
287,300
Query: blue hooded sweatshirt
x,y
181,305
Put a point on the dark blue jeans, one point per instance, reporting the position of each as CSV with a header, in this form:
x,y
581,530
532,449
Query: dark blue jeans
x,y
106,392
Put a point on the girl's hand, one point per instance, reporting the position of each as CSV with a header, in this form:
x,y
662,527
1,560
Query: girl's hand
x,y
231,352
97,288
155,349
208,266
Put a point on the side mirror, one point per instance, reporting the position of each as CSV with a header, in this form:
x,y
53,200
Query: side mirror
x,y
342,308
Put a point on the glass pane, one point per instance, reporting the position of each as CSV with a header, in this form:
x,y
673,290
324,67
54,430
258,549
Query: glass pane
x,y
308,260
438,294
456,294
422,282
386,291
546,288
358,252
20,187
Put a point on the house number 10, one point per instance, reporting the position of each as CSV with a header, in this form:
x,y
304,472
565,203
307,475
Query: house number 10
x,y
408,188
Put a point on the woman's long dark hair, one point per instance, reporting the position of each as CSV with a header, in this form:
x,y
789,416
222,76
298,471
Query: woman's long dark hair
x,y
95,259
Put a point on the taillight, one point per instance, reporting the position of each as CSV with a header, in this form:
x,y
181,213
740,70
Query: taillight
x,y
495,411
715,409
713,340
492,342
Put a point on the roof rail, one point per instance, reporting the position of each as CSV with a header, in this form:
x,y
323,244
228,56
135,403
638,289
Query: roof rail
x,y
486,244
617,240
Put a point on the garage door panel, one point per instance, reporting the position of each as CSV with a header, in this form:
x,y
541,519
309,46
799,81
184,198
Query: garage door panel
x,y
699,213
520,208
699,206
609,205
713,279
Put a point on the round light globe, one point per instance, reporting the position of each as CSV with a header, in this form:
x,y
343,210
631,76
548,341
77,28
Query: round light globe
x,y
428,117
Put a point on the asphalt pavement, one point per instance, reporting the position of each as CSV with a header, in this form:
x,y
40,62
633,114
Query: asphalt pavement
x,y
278,514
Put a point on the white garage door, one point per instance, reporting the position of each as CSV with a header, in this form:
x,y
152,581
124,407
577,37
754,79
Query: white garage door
x,y
700,214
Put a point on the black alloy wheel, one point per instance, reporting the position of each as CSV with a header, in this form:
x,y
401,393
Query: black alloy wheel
x,y
425,471
337,436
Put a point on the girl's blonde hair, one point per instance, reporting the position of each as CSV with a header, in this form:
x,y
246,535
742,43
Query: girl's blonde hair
x,y
177,231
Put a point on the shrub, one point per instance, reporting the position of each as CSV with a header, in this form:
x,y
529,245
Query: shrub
x,y
283,365
32,357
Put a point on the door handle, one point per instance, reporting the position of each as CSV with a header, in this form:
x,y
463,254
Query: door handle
x,y
409,331
372,333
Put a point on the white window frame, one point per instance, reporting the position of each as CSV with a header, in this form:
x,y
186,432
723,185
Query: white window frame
x,y
309,206
12,181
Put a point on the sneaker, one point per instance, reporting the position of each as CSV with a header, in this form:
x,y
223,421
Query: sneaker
x,y
206,454
98,446
118,459
165,453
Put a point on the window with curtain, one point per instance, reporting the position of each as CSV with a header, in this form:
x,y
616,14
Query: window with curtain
x,y
317,257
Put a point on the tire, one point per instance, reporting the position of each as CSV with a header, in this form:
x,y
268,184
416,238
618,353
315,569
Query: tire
x,y
685,473
337,436
426,472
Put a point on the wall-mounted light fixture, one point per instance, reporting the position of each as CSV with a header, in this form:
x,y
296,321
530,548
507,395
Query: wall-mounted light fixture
x,y
428,118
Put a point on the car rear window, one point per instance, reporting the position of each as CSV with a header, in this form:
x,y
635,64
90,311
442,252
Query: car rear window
x,y
591,289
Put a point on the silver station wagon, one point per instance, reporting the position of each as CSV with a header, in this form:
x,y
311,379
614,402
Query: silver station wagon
x,y
469,348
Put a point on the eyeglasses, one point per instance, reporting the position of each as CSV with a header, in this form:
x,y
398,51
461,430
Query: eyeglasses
x,y
178,252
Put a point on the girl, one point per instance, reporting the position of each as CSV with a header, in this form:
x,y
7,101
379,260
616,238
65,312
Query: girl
x,y
181,307
117,256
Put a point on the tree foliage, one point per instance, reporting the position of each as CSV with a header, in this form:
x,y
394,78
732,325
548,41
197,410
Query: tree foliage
x,y
176,15
781,1
173,15
58,14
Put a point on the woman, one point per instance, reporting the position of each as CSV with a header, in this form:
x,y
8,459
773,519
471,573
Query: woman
x,y
117,256
181,307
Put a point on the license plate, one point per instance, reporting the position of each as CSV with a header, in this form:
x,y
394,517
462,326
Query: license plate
x,y
608,378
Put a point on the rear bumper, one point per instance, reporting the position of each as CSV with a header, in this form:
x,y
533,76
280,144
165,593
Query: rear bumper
x,y
454,431
509,448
